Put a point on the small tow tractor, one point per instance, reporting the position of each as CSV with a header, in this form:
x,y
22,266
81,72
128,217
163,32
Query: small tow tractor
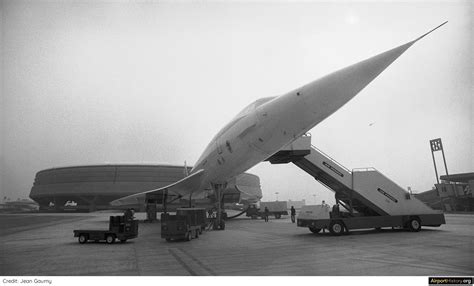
x,y
188,223
120,227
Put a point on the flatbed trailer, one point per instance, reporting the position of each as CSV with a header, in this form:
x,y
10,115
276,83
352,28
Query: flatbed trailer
x,y
120,228
319,217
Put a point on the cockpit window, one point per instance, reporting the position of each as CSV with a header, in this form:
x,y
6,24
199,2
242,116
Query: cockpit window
x,y
254,105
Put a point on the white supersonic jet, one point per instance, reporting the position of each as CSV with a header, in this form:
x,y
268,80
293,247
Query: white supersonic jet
x,y
269,124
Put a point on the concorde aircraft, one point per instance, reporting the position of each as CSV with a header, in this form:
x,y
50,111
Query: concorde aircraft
x,y
269,124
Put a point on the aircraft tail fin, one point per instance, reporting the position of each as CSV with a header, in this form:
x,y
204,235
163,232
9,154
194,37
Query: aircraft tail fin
x,y
186,171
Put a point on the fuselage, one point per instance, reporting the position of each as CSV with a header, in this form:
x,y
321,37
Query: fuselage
x,y
259,131
269,124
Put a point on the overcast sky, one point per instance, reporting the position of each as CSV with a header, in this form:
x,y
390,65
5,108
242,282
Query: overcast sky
x,y
87,82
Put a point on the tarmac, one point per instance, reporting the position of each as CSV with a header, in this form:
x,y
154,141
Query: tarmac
x,y
43,244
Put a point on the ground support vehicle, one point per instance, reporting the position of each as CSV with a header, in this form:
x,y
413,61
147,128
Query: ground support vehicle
x,y
319,217
120,228
276,208
187,223
369,198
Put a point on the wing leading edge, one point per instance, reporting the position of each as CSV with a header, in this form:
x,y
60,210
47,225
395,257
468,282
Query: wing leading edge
x,y
183,187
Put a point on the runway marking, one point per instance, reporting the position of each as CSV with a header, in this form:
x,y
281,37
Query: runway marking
x,y
199,262
175,255
190,263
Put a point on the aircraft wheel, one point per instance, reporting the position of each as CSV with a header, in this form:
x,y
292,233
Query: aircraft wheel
x,y
82,238
314,229
336,228
414,224
110,239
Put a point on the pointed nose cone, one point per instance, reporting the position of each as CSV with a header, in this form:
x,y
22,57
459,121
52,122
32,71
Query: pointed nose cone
x,y
326,95
331,92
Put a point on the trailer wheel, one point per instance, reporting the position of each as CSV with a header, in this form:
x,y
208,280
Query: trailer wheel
x,y
336,228
110,239
277,216
414,224
314,229
188,236
82,238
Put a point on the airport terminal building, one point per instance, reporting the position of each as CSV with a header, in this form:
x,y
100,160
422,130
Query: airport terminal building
x,y
93,187
454,193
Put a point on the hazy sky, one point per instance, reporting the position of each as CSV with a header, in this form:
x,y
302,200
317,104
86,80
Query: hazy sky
x,y
142,81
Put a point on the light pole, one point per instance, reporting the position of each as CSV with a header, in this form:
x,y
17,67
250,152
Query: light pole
x,y
276,193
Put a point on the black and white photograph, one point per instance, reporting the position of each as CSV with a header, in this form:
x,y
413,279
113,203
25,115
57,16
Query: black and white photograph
x,y
148,141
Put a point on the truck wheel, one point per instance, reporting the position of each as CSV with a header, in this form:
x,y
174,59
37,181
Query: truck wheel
x,y
188,236
82,239
314,229
110,239
414,224
278,216
336,228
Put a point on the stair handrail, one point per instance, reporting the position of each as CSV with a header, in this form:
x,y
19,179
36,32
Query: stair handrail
x,y
332,160
366,169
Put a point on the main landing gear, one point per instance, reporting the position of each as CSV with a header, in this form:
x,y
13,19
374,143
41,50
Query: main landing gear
x,y
219,223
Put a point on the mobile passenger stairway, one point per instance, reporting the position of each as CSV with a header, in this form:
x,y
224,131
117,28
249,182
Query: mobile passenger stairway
x,y
362,192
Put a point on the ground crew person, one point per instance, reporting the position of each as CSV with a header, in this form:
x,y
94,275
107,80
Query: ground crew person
x,y
128,214
293,214
335,211
266,214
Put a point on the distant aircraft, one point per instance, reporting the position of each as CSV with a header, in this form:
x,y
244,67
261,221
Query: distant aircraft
x,y
269,124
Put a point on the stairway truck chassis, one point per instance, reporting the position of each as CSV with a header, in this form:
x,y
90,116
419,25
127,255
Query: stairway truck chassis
x,y
338,225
